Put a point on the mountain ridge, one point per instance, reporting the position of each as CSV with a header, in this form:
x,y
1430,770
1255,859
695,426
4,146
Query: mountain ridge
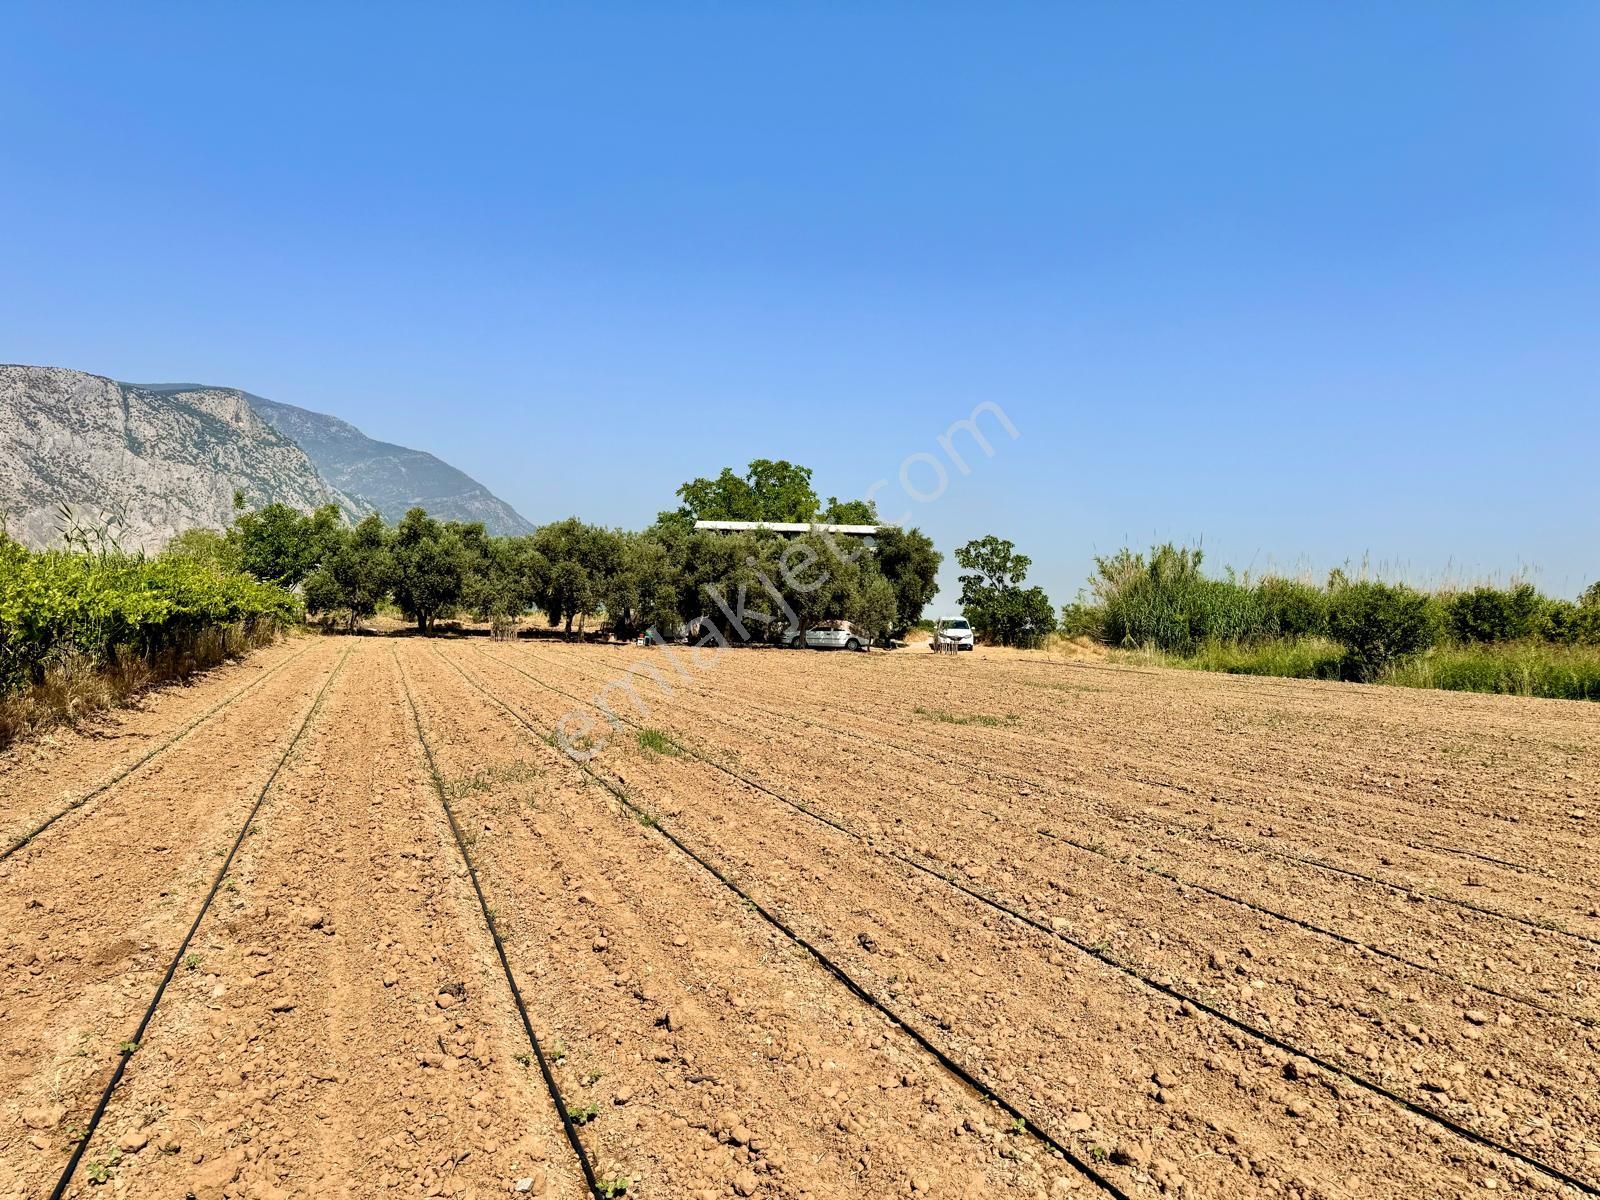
x,y
152,460
146,466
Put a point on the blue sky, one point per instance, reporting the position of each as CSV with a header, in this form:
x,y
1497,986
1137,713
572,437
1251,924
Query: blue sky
x,y
1310,282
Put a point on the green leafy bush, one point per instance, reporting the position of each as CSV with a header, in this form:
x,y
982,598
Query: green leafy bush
x,y
1167,603
1380,624
1487,614
56,606
1565,623
1292,609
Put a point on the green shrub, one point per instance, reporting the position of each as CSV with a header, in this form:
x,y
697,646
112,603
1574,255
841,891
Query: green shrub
x,y
1380,624
1292,609
1487,614
56,606
1082,620
1566,623
1167,603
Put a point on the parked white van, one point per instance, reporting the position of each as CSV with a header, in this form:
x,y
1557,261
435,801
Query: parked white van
x,y
955,634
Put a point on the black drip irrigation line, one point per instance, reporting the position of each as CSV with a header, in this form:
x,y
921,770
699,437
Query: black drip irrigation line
x,y
1413,894
1588,1022
984,1091
1402,889
556,1098
1488,858
1036,782
131,1047
1165,989
74,805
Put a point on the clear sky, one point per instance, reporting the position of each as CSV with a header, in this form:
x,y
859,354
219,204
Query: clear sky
x,y
1308,281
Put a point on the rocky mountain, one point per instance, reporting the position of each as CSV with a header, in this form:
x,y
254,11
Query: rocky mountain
x,y
149,464
154,459
390,478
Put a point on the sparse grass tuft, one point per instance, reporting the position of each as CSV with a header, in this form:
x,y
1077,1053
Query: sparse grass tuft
x,y
488,779
1293,658
950,718
657,742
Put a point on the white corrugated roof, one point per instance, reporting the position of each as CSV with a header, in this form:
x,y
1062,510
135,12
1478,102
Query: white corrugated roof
x,y
788,527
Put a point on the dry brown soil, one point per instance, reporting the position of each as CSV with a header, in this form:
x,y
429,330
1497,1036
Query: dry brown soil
x,y
1189,935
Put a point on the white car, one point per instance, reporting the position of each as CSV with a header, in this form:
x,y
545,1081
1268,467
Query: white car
x,y
832,635
955,634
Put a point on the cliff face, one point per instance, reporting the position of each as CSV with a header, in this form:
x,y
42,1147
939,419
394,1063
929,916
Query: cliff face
x,y
390,478
152,462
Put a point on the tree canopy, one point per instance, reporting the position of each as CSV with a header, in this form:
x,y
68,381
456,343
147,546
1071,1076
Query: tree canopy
x,y
746,586
992,596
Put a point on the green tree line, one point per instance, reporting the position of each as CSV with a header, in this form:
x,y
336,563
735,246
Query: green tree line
x,y
669,577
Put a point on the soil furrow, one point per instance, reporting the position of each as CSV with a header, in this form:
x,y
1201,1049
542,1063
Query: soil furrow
x,y
927,927
722,1025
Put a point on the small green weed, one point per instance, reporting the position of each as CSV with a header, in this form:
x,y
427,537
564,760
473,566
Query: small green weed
x,y
100,1172
657,742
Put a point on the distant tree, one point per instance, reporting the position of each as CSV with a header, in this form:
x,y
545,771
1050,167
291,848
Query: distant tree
x,y
355,574
769,490
430,565
503,580
580,560
277,544
849,512
822,580
876,610
992,596
1591,596
720,583
642,592
907,559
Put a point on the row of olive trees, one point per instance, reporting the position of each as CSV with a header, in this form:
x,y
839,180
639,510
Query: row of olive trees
x,y
754,585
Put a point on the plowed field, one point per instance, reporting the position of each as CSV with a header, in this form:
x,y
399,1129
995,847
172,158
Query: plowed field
x,y
347,919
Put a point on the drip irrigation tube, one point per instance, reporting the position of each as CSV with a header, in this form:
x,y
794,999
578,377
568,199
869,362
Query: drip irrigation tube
x,y
1218,893
1101,956
146,757
651,821
550,1084
149,1013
